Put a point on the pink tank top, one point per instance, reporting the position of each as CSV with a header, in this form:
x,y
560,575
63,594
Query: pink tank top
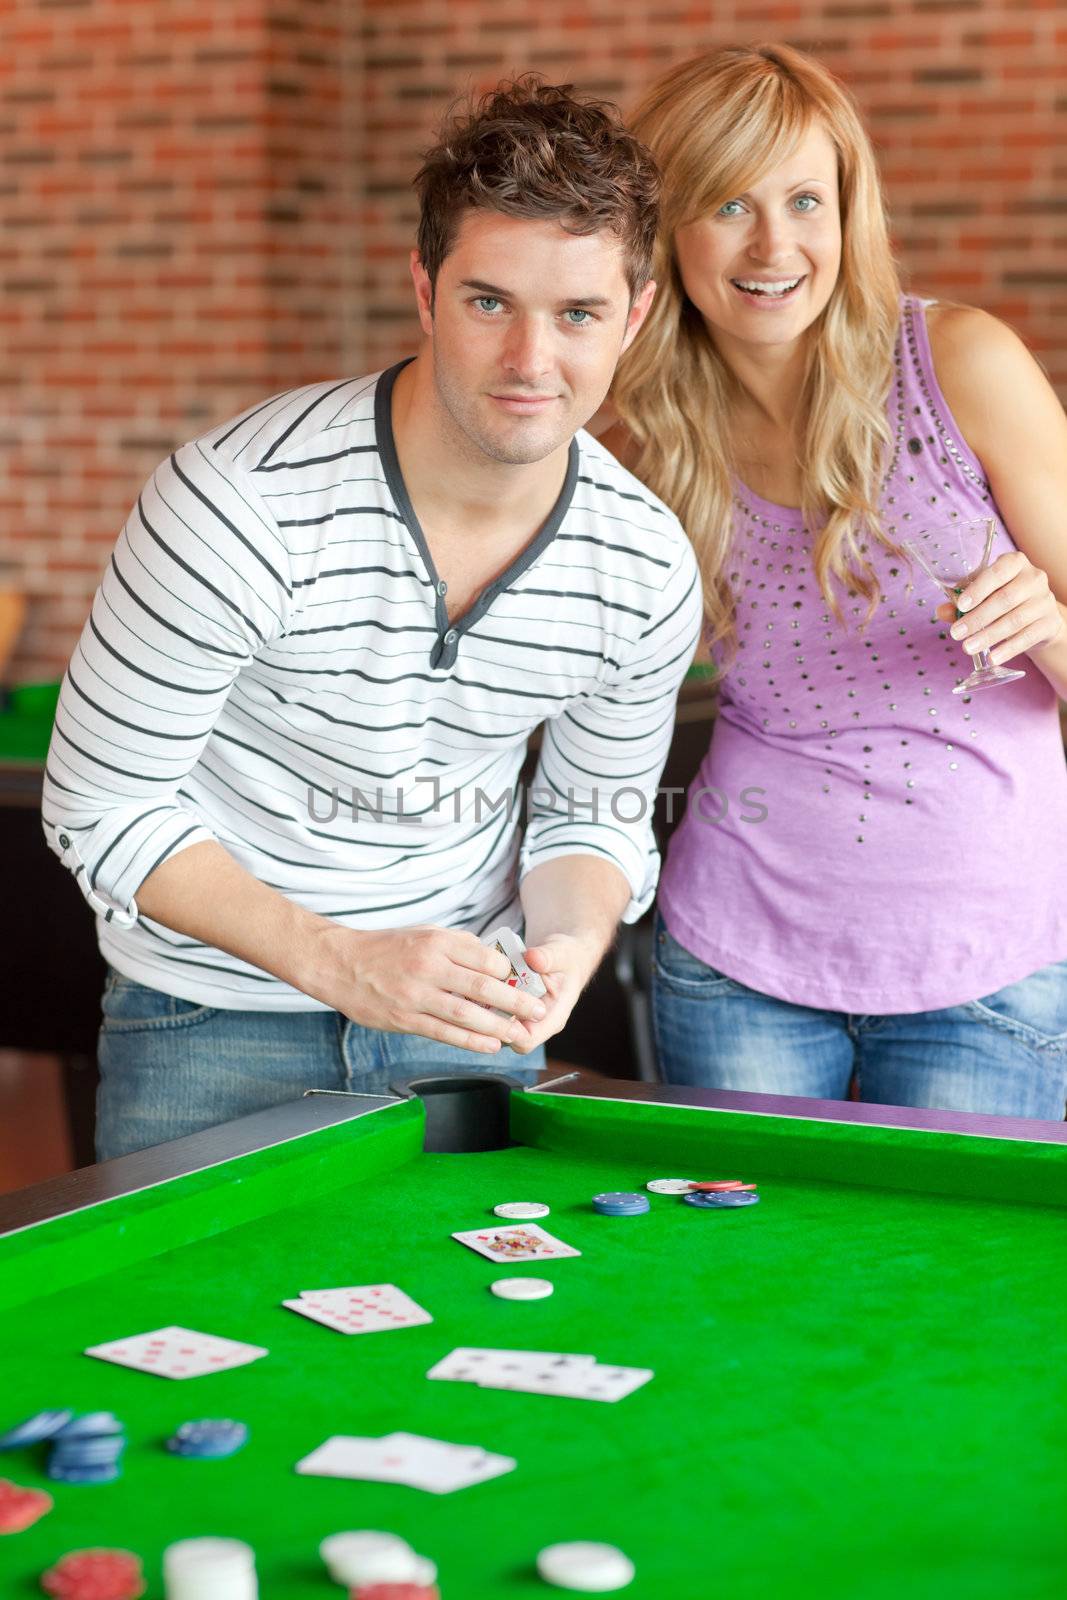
x,y
913,851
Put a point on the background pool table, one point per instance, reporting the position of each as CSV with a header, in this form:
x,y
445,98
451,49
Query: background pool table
x,y
859,1383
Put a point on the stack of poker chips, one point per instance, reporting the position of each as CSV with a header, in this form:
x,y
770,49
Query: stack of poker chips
x,y
378,1566
620,1205
210,1569
87,1449
722,1194
714,1194
208,1437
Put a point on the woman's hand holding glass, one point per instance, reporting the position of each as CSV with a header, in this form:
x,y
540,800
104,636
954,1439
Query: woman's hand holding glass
x,y
1010,609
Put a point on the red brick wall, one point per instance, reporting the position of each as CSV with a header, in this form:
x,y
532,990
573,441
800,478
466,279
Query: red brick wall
x,y
200,204
177,239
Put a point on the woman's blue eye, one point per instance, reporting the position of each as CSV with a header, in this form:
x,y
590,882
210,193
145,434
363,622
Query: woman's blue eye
x,y
724,210
813,199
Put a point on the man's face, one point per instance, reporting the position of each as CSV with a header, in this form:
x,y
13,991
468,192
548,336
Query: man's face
x,y
527,324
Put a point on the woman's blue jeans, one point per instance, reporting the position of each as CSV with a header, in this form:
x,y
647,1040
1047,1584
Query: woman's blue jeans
x,y
1004,1054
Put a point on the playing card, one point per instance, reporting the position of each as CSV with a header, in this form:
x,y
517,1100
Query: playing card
x,y
507,941
177,1352
576,1383
440,1467
347,1456
431,1464
370,1308
486,1366
525,1241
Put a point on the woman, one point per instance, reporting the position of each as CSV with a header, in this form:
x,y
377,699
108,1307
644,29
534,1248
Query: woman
x,y
900,913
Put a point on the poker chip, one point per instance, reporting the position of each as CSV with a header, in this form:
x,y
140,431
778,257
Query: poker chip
x,y
102,1472
44,1425
590,1568
722,1186
721,1202
20,1508
620,1204
209,1569
89,1424
95,1575
522,1288
522,1210
395,1591
208,1438
670,1185
87,1449
365,1557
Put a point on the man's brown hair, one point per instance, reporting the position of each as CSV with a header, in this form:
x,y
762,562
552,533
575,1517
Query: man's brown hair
x,y
531,149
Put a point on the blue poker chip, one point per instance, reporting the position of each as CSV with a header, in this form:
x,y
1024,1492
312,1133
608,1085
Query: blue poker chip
x,y
84,1452
90,1425
728,1200
620,1204
103,1472
45,1425
208,1438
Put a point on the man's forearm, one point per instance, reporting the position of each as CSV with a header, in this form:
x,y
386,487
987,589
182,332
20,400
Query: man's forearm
x,y
205,893
582,896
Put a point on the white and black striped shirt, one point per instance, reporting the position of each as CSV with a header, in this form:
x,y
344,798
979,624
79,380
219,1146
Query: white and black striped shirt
x,y
269,663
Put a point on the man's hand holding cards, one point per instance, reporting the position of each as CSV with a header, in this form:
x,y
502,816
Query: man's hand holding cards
x,y
564,969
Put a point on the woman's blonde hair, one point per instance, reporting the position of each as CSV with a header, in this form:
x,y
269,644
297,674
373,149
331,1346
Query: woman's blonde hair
x,y
716,125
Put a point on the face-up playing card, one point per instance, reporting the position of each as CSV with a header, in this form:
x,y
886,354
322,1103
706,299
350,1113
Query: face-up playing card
x,y
421,1463
511,947
177,1353
345,1456
489,1367
440,1467
589,1383
370,1308
524,1241
578,1377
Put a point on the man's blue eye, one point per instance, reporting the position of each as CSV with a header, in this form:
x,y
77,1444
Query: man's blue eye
x,y
486,302
577,312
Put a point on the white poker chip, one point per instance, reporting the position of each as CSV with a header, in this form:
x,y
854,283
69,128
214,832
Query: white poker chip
x,y
670,1185
521,1210
208,1569
522,1288
590,1568
366,1557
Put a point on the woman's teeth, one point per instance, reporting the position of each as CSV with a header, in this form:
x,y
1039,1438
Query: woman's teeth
x,y
771,289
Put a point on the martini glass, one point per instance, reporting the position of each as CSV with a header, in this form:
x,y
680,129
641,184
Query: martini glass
x,y
951,556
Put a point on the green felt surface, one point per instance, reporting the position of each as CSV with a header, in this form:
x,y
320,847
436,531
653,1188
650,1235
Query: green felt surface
x,y
26,717
859,1383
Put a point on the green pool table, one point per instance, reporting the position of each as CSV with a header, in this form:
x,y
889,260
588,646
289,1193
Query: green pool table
x,y
859,1387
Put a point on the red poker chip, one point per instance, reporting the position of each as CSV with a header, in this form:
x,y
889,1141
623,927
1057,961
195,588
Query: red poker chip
x,y
395,1591
20,1508
723,1186
95,1575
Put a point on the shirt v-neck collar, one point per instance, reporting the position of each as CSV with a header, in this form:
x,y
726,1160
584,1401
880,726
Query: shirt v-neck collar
x,y
446,643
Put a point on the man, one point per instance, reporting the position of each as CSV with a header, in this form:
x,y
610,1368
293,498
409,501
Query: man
x,y
286,759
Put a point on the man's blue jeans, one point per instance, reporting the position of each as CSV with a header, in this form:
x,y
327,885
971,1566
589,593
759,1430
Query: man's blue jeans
x,y
169,1067
1005,1054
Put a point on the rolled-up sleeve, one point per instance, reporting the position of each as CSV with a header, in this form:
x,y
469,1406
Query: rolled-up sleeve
x,y
199,581
594,790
